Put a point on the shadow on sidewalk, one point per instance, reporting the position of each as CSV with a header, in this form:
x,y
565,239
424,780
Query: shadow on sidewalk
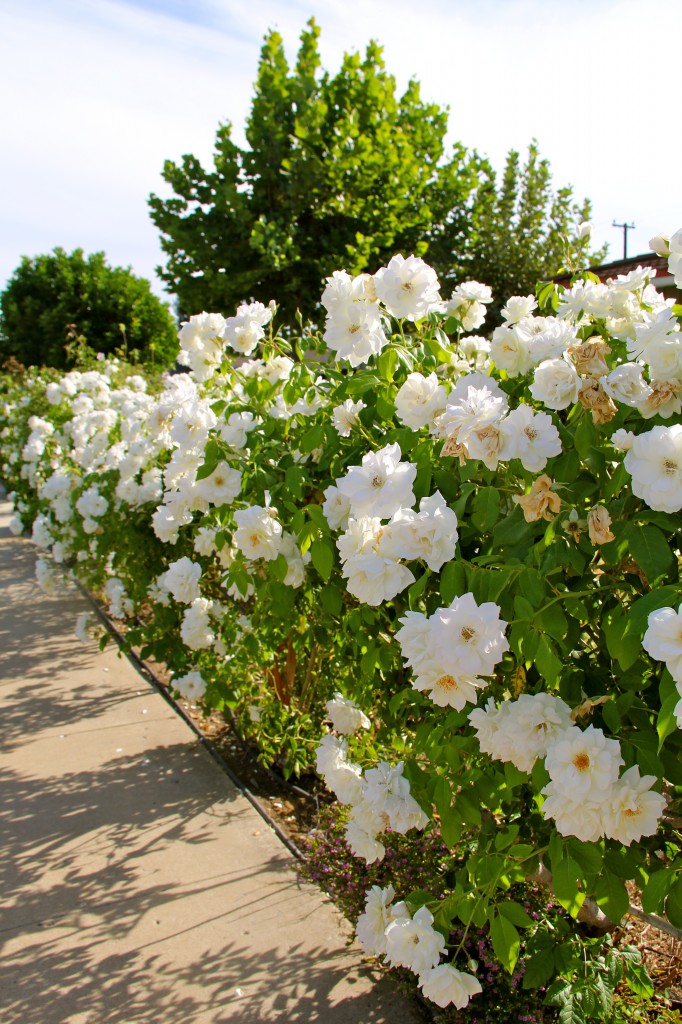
x,y
82,874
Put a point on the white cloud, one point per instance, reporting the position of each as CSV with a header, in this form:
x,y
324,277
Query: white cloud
x,y
103,93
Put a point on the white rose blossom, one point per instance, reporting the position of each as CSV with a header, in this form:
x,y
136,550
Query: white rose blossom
x,y
372,923
556,384
408,288
419,400
663,639
345,416
381,485
633,810
191,686
444,985
258,533
654,461
345,715
413,942
181,579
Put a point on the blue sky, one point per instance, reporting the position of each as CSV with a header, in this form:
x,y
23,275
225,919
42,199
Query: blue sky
x,y
98,93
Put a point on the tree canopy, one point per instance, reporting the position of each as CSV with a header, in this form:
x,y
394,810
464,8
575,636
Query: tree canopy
x,y
340,173
518,229
56,296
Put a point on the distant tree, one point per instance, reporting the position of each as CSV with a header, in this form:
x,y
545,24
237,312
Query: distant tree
x,y
518,230
339,173
54,297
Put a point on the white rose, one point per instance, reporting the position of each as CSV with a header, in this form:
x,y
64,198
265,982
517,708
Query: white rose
x,y
556,384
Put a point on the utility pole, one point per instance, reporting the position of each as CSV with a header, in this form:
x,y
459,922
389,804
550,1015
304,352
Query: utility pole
x,y
626,228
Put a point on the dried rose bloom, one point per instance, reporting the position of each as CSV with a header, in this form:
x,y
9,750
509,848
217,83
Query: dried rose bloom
x,y
541,503
598,523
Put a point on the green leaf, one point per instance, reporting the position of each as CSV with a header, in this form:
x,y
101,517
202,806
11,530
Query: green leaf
x,y
331,600
553,621
619,480
667,719
387,363
418,898
460,503
523,609
585,435
322,556
453,582
611,716
566,876
546,293
573,1012
662,597
442,796
623,647
645,743
468,808
515,913
588,855
486,509
612,896
673,904
548,665
368,662
418,588
532,585
512,531
506,942
212,456
638,980
451,828
537,970
317,516
656,889
514,777
279,567
313,438
602,992
651,551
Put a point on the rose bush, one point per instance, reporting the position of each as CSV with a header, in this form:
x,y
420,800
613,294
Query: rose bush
x,y
462,552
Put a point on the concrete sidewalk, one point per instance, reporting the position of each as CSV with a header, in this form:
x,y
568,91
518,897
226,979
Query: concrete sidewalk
x,y
136,883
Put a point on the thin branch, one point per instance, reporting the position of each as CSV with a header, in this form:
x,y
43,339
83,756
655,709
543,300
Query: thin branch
x,y
655,921
593,915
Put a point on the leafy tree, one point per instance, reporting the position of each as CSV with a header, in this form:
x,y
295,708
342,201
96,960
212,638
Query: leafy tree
x,y
519,229
57,296
340,173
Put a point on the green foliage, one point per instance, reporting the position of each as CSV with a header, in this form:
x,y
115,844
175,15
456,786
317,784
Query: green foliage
x,y
340,172
519,230
288,629
61,297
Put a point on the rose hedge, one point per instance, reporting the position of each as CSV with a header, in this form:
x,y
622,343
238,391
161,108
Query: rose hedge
x,y
463,553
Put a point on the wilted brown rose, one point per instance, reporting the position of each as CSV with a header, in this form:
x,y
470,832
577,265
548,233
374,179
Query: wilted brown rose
x,y
593,397
453,447
541,503
485,445
664,399
590,357
598,523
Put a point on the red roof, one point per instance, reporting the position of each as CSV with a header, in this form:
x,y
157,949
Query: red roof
x,y
611,270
